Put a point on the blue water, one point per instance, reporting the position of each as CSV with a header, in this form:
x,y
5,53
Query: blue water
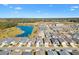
x,y
27,31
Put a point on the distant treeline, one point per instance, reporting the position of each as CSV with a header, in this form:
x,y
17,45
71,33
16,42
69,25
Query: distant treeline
x,y
4,25
31,20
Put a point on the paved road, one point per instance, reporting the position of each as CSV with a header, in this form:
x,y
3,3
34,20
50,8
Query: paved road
x,y
36,48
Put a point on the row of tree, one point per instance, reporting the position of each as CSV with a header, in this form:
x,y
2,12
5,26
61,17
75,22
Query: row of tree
x,y
4,25
31,20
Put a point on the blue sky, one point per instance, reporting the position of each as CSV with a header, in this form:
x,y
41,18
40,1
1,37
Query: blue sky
x,y
39,10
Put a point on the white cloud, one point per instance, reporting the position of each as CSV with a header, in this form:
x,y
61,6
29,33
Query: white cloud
x,y
5,4
18,8
46,14
16,12
10,7
75,6
72,9
38,11
50,5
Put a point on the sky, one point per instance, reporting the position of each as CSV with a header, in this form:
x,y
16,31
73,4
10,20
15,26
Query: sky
x,y
39,10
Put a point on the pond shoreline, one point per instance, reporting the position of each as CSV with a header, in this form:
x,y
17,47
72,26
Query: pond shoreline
x,y
27,30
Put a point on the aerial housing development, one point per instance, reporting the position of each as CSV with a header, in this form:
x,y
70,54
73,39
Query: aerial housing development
x,y
39,29
39,36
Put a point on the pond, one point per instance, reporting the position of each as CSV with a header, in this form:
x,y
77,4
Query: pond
x,y
27,30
